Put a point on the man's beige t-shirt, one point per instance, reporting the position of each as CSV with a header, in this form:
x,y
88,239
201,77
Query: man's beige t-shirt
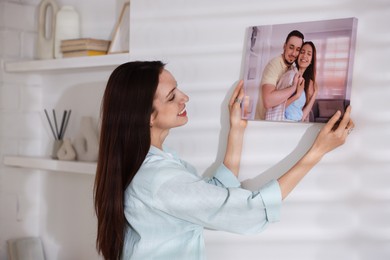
x,y
271,75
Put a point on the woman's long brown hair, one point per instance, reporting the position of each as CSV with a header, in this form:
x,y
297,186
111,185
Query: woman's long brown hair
x,y
310,72
124,142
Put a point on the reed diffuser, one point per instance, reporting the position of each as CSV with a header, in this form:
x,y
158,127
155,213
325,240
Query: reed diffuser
x,y
58,130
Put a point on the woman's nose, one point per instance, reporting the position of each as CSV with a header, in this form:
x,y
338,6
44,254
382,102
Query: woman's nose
x,y
184,98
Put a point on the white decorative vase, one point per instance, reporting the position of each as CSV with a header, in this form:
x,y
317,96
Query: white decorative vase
x,y
66,151
46,29
87,143
67,27
56,146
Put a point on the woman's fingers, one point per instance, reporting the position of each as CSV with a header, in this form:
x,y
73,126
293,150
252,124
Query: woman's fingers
x,y
245,105
237,100
344,122
341,127
331,125
350,126
238,93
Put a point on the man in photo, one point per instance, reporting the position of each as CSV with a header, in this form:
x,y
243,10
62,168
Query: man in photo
x,y
270,95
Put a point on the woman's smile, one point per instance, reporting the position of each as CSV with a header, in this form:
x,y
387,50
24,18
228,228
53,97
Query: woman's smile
x,y
183,112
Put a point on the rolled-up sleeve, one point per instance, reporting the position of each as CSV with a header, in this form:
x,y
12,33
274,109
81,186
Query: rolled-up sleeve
x,y
223,177
272,199
270,192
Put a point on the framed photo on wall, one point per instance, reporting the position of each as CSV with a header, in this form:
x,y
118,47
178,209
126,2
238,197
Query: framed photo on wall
x,y
287,78
121,35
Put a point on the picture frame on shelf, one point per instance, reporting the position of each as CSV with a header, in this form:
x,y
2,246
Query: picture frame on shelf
x,y
121,35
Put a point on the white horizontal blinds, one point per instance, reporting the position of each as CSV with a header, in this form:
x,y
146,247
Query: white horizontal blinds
x,y
332,67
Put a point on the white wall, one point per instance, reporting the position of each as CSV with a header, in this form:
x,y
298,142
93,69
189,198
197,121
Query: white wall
x,y
340,211
20,102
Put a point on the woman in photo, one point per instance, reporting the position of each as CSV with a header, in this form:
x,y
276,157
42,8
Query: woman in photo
x,y
149,203
298,106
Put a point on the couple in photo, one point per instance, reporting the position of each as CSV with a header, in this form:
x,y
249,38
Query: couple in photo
x,y
288,87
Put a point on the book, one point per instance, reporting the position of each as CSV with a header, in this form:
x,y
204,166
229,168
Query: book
x,y
81,53
84,44
323,61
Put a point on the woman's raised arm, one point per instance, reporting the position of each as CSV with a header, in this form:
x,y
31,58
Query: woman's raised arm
x,y
330,137
237,129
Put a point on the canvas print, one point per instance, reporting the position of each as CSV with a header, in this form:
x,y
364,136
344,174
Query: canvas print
x,y
298,72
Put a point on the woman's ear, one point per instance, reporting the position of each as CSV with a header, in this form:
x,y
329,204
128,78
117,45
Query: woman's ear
x,y
152,118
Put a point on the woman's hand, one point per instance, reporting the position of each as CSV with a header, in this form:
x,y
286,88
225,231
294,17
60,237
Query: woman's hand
x,y
297,81
333,134
236,104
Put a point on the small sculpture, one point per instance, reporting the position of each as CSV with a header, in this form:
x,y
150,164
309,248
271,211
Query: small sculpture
x,y
66,151
87,143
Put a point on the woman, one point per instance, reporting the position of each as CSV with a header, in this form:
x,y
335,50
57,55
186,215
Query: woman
x,y
152,205
299,105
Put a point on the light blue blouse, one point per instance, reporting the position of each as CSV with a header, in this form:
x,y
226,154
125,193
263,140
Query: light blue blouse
x,y
294,110
167,205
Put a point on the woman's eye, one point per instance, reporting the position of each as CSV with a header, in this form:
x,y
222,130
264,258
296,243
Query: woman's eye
x,y
172,98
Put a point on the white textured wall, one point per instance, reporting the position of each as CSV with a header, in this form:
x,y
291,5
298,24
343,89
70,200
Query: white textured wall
x,y
20,101
341,210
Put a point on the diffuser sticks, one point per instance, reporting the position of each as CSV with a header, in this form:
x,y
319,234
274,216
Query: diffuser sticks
x,y
58,132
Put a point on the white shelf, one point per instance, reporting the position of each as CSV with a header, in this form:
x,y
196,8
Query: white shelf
x,y
110,60
67,63
51,165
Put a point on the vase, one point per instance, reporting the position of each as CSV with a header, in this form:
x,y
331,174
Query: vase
x,y
66,151
67,27
86,143
46,27
56,146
